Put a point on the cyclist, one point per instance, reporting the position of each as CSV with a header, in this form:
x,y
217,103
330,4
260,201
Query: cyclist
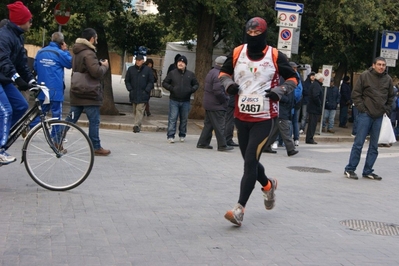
x,y
13,68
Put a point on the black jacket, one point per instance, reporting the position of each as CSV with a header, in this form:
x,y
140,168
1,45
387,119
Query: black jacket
x,y
315,104
181,84
139,82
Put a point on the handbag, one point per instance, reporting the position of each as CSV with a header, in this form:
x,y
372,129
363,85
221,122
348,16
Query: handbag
x,y
387,134
84,86
156,92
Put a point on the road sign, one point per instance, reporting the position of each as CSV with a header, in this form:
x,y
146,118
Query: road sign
x,y
390,44
62,13
390,62
288,7
296,37
327,71
285,38
287,19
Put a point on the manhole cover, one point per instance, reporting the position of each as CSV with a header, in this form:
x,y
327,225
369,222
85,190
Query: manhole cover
x,y
378,228
308,169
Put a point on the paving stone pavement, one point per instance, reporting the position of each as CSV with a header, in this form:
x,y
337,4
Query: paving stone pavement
x,y
155,203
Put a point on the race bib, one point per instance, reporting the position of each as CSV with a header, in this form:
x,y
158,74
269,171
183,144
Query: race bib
x,y
250,104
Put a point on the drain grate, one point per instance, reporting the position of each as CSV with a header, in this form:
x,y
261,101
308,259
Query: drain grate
x,y
378,228
308,169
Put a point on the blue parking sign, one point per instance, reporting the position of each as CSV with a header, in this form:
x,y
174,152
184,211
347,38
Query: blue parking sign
x,y
390,40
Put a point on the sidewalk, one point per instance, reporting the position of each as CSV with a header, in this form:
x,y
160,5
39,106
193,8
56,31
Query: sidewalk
x,y
158,121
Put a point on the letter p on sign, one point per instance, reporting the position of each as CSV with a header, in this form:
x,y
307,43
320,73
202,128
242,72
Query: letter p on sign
x,y
390,40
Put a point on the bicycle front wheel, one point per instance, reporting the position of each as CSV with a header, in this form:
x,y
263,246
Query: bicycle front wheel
x,y
65,170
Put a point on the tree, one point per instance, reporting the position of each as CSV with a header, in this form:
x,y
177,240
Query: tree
x,y
209,22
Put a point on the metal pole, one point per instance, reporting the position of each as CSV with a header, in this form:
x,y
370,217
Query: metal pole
x,y
322,110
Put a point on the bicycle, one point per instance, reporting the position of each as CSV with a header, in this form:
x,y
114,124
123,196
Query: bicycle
x,y
52,161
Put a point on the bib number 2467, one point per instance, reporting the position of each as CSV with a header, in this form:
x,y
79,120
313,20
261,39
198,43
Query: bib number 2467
x,y
251,104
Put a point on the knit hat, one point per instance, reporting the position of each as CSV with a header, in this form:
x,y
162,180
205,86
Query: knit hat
x,y
318,76
183,59
19,13
347,78
220,60
256,23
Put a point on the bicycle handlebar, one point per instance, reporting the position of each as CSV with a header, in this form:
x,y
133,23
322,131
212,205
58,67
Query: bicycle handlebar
x,y
38,88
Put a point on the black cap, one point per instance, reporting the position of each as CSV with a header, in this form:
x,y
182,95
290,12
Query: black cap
x,y
139,57
183,59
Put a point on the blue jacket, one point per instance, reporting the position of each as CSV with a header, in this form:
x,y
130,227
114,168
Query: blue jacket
x,y
139,82
13,57
298,92
49,65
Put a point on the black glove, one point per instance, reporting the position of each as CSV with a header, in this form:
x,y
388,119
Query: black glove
x,y
22,85
272,95
233,89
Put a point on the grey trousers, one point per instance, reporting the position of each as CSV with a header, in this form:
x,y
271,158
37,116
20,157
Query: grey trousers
x,y
214,121
284,128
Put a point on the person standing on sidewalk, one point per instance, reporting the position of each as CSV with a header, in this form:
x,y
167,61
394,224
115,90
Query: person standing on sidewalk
x,y
229,122
13,68
373,96
251,73
181,83
215,103
345,102
330,108
150,63
88,67
305,100
139,82
315,107
297,106
49,65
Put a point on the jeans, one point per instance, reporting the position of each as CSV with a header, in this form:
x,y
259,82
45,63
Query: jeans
x,y
12,107
304,116
355,112
178,110
295,124
93,115
330,116
365,126
56,112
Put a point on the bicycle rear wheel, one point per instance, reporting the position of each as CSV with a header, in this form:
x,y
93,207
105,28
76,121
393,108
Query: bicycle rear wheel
x,y
63,171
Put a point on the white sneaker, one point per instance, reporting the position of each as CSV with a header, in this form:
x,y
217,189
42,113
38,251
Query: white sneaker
x,y
5,158
296,143
171,140
236,215
275,145
182,139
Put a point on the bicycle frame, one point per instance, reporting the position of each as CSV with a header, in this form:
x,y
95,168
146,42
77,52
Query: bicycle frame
x,y
24,122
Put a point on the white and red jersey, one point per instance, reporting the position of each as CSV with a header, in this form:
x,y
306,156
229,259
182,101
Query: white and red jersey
x,y
254,79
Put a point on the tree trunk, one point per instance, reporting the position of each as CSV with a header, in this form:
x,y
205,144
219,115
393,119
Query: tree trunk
x,y
339,73
108,107
203,59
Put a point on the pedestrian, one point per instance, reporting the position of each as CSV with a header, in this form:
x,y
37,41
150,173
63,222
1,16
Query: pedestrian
x,y
215,103
330,107
174,64
372,95
305,100
297,105
139,82
150,63
87,73
345,102
13,69
251,73
229,122
181,83
314,107
49,65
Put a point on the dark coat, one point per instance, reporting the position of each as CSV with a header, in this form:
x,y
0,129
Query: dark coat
x,y
285,106
181,84
332,98
315,104
139,82
215,98
305,90
84,60
345,94
13,58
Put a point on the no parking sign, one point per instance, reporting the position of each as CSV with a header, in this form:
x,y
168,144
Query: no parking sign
x,y
327,71
285,38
